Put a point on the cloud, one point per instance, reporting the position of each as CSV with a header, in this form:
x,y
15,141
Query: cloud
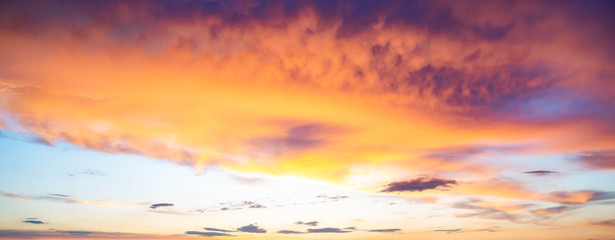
x,y
610,222
157,205
604,159
335,198
57,234
485,212
327,230
77,233
356,83
92,172
567,197
388,230
449,231
419,184
251,229
551,210
207,234
60,195
541,172
289,232
33,221
218,230
226,206
312,223
14,196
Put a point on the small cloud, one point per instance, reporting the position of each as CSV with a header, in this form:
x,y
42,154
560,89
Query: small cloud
x,y
327,230
541,172
602,196
77,233
33,221
14,196
335,198
350,228
257,206
207,234
218,230
157,205
251,229
604,159
289,232
312,223
610,222
59,195
419,184
389,230
551,210
449,231
92,172
484,212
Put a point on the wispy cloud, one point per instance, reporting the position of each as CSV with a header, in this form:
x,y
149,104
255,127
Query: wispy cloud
x,y
541,172
448,231
207,234
387,230
552,210
58,234
289,232
218,230
327,230
610,222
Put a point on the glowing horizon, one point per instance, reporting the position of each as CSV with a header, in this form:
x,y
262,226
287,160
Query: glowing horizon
x,y
307,119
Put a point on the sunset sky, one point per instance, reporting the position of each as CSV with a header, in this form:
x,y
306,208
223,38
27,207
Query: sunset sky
x,y
205,119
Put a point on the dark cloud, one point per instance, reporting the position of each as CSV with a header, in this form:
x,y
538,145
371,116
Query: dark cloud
x,y
207,234
327,230
604,159
419,184
157,205
500,92
388,230
289,232
33,221
449,231
312,223
541,172
251,229
218,230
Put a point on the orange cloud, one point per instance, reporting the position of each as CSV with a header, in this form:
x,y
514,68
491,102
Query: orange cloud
x,y
204,89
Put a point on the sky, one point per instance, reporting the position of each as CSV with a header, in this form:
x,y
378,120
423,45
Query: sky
x,y
255,119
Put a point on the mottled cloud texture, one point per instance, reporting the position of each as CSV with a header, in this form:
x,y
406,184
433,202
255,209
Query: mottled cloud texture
x,y
333,90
